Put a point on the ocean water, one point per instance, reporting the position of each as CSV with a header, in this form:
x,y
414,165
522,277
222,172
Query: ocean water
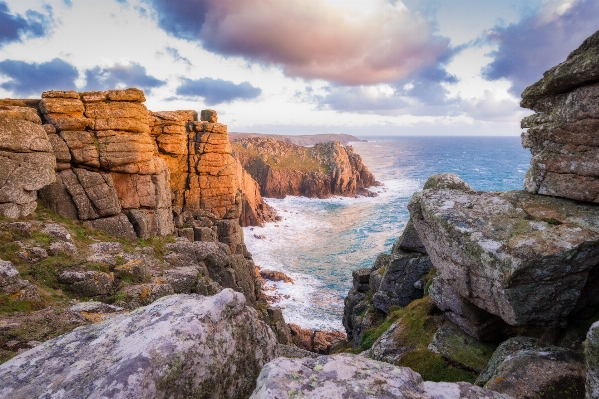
x,y
320,242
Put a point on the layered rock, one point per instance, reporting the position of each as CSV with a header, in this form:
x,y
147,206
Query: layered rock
x,y
321,171
343,376
527,259
26,160
180,346
204,175
108,169
562,133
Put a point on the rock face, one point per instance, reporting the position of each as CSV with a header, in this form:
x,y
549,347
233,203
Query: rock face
x,y
561,134
321,171
524,368
12,285
108,171
180,346
316,341
344,376
528,259
204,175
26,160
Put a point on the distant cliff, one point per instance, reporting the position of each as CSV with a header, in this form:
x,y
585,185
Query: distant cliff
x,y
305,140
321,171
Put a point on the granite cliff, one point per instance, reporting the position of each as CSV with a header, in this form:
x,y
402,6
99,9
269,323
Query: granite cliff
x,y
321,171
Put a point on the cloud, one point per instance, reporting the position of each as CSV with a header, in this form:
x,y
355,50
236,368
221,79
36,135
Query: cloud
x,y
31,79
540,41
176,56
14,27
493,107
121,75
369,43
216,91
363,99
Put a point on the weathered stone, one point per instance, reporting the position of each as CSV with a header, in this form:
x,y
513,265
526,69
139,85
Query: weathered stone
x,y
458,348
95,307
107,248
60,148
476,322
446,181
56,197
209,115
539,373
397,284
180,346
187,233
118,226
274,318
505,253
389,347
88,283
561,135
204,234
352,299
293,352
182,279
207,287
409,240
19,113
83,147
93,193
591,354
344,376
63,247
136,270
57,231
60,94
131,94
144,294
10,282
506,349
61,105
361,279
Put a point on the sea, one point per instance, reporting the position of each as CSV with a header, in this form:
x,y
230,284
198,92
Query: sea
x,y
320,242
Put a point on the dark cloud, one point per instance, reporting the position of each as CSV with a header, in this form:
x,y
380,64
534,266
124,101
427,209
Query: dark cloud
x,y
216,91
31,79
176,56
15,27
539,42
121,75
309,39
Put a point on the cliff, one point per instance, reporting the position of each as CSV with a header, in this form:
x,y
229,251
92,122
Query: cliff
x,y
306,140
321,171
501,287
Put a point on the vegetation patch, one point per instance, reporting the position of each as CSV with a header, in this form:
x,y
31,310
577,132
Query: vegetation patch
x,y
433,367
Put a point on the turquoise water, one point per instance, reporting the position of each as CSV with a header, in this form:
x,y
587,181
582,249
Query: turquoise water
x,y
320,242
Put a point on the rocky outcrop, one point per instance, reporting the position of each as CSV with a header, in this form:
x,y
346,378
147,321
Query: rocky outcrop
x,y
180,346
505,253
524,368
108,171
26,160
561,134
321,171
343,376
12,285
204,175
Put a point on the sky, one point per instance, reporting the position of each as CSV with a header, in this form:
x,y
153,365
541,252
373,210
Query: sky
x,y
362,67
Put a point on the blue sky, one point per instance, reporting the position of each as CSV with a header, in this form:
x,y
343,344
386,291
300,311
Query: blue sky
x,y
365,67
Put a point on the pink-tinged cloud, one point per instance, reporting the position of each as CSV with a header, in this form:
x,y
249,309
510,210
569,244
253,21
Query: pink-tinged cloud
x,y
311,39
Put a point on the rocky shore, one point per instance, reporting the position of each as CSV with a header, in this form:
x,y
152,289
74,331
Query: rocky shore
x,y
139,244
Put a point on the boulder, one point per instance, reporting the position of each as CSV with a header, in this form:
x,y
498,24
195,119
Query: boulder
x,y
561,134
389,347
180,346
343,376
88,283
118,226
524,258
317,341
12,285
538,373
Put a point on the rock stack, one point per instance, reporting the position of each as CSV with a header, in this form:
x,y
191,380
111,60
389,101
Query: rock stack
x,y
108,170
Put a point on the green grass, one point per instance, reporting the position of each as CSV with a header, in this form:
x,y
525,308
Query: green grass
x,y
432,367
9,306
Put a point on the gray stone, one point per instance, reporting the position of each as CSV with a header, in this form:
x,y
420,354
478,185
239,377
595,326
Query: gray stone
x,y
88,283
10,282
447,181
389,347
361,279
180,346
352,299
118,226
186,233
62,247
591,354
503,351
409,240
56,197
397,285
182,279
95,307
57,231
136,268
505,252
540,373
107,248
204,234
344,376
293,352
144,294
207,287
274,318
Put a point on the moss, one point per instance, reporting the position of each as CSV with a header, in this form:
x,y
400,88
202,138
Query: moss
x,y
552,221
432,367
9,306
